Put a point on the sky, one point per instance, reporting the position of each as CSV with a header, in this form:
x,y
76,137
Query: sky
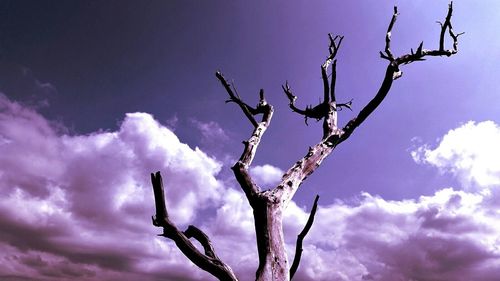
x,y
96,95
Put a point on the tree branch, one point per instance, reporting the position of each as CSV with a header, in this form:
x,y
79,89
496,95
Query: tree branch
x,y
329,91
241,167
208,261
421,52
300,238
333,80
196,233
247,110
393,72
388,54
324,107
292,98
333,136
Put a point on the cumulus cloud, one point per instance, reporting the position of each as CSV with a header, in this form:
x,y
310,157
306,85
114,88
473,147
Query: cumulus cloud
x,y
266,174
471,152
77,207
86,200
451,235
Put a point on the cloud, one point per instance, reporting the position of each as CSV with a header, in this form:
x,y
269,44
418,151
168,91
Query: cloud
x,y
79,207
471,152
452,235
86,199
211,132
266,174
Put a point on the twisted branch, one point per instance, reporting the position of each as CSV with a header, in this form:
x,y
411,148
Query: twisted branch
x,y
207,261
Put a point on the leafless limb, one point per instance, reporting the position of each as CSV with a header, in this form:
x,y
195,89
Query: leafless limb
x,y
420,52
322,109
300,238
393,72
207,261
329,92
241,167
247,110
388,54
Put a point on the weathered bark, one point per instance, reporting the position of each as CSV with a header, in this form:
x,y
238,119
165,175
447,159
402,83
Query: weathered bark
x,y
267,210
268,205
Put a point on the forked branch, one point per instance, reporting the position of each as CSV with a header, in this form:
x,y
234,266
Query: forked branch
x,y
328,104
241,167
420,52
208,260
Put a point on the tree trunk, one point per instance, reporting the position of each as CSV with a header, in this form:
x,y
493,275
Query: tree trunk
x,y
273,262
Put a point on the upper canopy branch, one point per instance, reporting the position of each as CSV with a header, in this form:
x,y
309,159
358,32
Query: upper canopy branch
x,y
329,92
332,136
420,52
393,71
328,104
207,261
388,54
262,107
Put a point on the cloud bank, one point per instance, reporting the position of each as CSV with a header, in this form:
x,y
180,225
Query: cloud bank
x,y
81,205
471,152
78,207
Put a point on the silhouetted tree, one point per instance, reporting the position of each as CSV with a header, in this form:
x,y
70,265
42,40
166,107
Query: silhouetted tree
x,y
268,205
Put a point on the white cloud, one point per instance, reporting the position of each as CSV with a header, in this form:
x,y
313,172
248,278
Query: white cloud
x,y
87,199
452,235
471,152
266,174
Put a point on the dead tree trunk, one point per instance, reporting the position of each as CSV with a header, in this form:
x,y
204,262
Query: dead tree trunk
x,y
268,205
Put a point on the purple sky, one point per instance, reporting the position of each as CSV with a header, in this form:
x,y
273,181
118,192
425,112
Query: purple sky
x,y
96,95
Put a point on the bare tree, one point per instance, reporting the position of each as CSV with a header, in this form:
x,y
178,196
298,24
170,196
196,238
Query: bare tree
x,y
268,205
